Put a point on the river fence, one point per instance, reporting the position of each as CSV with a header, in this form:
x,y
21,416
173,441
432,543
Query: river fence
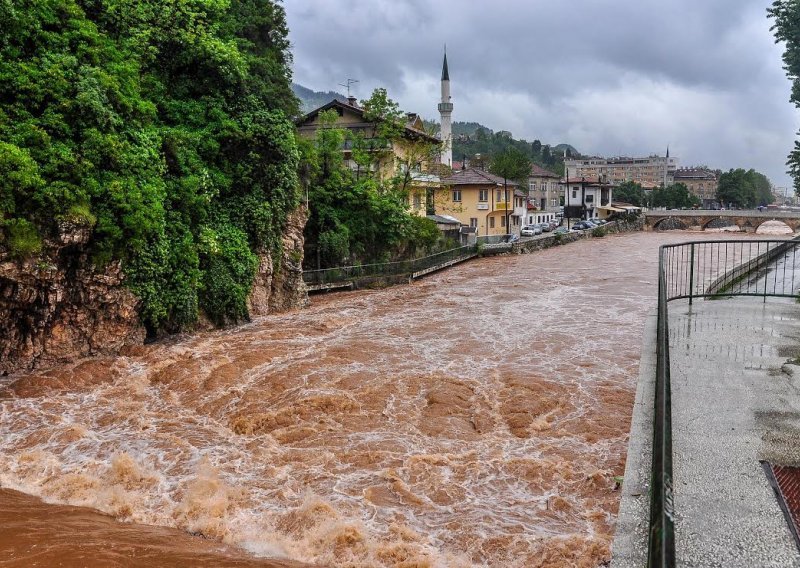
x,y
709,270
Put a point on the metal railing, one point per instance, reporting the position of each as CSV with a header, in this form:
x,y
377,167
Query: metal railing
x,y
341,274
702,269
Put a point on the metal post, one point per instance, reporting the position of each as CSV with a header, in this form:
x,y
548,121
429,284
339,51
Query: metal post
x,y
691,274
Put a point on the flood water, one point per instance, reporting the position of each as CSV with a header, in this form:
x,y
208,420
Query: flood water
x,y
477,417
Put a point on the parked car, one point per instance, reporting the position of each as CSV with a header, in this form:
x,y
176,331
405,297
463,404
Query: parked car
x,y
528,231
561,231
582,225
553,225
545,227
512,238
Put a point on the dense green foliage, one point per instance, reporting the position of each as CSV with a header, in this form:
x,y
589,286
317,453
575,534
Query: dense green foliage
x,y
361,216
675,196
630,192
742,188
162,124
786,14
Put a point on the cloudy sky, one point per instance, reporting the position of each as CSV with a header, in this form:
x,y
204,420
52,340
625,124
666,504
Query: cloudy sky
x,y
610,77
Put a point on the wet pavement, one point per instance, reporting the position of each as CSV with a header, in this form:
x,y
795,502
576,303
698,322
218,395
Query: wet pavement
x,y
734,403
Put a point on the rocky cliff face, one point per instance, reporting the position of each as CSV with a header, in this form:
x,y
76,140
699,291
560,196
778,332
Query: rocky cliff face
x,y
282,289
57,307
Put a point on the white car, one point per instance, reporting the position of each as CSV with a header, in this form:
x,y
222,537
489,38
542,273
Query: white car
x,y
530,230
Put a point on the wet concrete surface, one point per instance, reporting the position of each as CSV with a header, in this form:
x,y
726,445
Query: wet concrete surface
x,y
734,403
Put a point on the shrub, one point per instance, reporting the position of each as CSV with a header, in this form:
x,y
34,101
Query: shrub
x,y
22,237
599,232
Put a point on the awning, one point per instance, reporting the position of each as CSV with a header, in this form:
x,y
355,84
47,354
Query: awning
x,y
610,208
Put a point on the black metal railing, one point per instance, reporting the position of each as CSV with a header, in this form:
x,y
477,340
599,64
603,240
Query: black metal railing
x,y
703,269
366,272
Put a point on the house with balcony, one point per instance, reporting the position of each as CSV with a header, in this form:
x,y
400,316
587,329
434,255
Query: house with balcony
x,y
405,159
587,198
481,200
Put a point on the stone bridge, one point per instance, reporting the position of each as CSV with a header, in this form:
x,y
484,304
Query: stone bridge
x,y
746,220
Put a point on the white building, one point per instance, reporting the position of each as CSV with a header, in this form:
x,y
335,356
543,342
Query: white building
x,y
587,198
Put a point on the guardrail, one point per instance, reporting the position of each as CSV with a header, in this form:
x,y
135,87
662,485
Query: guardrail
x,y
350,275
702,269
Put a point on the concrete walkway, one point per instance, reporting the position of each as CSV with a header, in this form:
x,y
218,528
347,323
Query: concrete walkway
x,y
735,401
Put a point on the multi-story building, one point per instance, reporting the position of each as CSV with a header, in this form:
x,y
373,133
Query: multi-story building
x,y
481,200
587,198
544,195
657,170
702,182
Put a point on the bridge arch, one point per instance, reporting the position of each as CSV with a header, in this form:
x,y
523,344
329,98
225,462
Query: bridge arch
x,y
720,223
669,224
774,225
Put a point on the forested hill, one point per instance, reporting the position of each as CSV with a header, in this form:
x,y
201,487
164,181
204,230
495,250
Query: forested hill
x,y
309,100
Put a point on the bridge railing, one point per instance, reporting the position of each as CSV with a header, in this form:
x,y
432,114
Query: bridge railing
x,y
702,269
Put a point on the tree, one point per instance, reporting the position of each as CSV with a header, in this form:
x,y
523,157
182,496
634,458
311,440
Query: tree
x,y
511,164
786,14
362,217
675,196
536,147
742,188
630,192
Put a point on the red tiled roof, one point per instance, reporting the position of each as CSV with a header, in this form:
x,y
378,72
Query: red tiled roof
x,y
474,176
538,171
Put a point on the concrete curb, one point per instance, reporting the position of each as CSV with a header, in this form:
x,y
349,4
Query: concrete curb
x,y
629,549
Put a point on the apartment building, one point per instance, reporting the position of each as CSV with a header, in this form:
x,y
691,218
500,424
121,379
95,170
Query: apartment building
x,y
656,170
702,182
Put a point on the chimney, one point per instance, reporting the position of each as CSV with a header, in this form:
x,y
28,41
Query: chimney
x,y
352,101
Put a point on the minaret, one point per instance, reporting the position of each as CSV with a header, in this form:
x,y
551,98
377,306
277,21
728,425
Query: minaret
x,y
445,110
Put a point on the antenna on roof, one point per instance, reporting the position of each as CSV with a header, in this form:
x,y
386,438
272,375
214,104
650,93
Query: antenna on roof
x,y
347,84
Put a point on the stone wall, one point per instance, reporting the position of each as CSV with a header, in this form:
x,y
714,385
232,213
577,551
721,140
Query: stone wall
x,y
550,239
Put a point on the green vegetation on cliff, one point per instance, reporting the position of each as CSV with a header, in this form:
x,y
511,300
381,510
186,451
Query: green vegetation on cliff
x,y
161,124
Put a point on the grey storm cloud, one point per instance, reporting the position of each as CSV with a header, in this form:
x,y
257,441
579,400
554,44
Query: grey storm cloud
x,y
608,76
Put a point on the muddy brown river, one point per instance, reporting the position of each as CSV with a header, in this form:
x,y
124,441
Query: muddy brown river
x,y
477,417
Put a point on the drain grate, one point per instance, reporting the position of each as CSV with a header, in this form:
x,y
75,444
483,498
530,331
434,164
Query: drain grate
x,y
785,481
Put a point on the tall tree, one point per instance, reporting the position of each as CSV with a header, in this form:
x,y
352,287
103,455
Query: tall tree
x,y
786,15
512,164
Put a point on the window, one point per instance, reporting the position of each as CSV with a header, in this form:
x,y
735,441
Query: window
x,y
574,194
473,221
483,195
590,198
417,201
499,194
503,221
532,186
491,222
457,195
530,220
554,202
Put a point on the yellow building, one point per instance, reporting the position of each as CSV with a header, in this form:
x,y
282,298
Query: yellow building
x,y
480,199
406,159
